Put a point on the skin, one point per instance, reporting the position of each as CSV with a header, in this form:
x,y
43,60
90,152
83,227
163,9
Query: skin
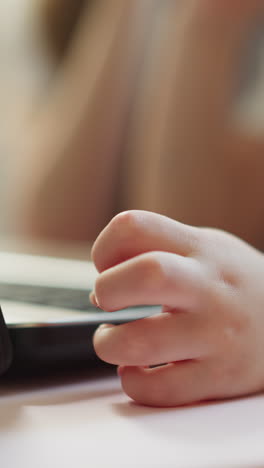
x,y
188,159
155,133
68,155
208,340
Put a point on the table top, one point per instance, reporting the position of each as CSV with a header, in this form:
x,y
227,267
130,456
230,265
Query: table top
x,y
86,420
82,420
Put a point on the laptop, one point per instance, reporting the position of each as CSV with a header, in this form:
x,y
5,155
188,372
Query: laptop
x,y
47,320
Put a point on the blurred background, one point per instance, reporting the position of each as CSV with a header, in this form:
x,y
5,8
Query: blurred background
x,y
26,68
117,87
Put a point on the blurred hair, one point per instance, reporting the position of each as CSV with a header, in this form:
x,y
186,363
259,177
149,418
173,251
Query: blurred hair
x,y
59,20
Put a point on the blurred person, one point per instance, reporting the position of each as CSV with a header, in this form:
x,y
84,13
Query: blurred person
x,y
191,156
139,115
64,175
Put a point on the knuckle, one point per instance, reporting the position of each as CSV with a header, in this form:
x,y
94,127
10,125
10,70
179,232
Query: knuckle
x,y
135,350
127,224
153,273
233,329
139,343
125,228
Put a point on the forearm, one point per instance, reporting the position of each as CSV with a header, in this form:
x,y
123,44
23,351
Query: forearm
x,y
68,170
186,165
198,167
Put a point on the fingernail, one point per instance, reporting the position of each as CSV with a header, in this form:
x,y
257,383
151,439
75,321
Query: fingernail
x,y
93,299
104,327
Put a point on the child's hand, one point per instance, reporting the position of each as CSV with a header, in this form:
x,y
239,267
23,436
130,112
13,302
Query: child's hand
x,y
209,339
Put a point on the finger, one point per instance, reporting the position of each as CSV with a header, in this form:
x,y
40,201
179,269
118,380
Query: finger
x,y
159,339
135,232
155,278
170,385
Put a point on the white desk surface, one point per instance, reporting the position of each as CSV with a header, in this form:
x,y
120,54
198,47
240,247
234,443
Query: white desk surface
x,y
86,421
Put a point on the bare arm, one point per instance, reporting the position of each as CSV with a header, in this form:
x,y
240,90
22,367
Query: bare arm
x,y
64,177
190,163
